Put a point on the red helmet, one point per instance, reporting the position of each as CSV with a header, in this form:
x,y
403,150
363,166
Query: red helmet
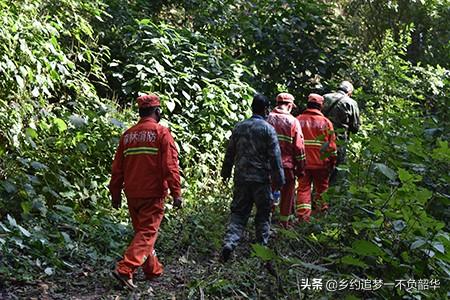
x,y
285,98
150,100
315,98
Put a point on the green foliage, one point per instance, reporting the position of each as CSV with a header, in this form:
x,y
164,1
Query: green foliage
x,y
293,44
45,59
196,231
59,245
427,23
57,137
200,85
398,229
57,146
289,42
64,63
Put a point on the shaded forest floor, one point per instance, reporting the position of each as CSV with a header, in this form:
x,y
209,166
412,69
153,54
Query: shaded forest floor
x,y
98,284
189,245
183,278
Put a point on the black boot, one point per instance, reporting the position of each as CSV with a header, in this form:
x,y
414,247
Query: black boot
x,y
226,254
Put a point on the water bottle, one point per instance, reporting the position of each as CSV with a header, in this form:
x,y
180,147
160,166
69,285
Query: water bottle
x,y
276,197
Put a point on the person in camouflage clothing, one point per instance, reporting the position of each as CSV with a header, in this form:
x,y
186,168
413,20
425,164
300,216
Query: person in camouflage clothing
x,y
254,151
343,112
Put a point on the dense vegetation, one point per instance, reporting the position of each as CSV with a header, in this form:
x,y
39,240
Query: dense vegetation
x,y
71,70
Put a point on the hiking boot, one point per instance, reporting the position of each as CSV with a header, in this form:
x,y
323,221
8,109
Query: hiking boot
x,y
226,254
141,276
269,266
124,280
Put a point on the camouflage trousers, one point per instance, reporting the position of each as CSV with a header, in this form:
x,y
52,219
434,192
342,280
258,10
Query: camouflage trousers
x,y
337,177
246,194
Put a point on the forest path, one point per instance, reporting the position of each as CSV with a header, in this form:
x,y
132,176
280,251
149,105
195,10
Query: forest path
x,y
89,282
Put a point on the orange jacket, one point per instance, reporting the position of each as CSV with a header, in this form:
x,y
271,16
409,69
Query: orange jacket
x,y
290,137
146,162
320,140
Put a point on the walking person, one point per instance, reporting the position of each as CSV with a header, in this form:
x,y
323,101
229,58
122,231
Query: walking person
x,y
292,147
343,112
320,149
254,151
145,166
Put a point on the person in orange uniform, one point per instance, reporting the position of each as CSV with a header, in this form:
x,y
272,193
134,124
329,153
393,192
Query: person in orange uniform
x,y
290,137
145,166
320,145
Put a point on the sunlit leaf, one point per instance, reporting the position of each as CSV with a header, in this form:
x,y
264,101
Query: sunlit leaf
x,y
263,252
170,105
77,121
417,244
61,125
20,81
66,237
24,231
186,95
439,247
35,92
37,165
31,133
405,176
386,171
64,208
313,267
4,228
399,225
11,221
366,248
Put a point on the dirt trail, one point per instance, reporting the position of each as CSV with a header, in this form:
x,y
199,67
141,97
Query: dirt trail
x,y
100,285
91,282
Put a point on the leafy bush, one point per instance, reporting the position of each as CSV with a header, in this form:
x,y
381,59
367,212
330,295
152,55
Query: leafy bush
x,y
427,23
291,45
395,226
58,136
47,65
200,85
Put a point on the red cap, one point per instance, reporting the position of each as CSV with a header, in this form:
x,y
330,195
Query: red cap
x,y
315,98
150,100
285,98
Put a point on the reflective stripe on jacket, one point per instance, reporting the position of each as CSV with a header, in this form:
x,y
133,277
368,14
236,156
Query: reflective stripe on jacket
x,y
320,140
146,162
290,137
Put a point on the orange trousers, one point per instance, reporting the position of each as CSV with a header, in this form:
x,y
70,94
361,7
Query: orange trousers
x,y
146,216
287,196
319,178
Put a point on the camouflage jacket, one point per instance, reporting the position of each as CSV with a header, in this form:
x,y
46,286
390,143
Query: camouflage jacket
x,y
343,114
255,152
